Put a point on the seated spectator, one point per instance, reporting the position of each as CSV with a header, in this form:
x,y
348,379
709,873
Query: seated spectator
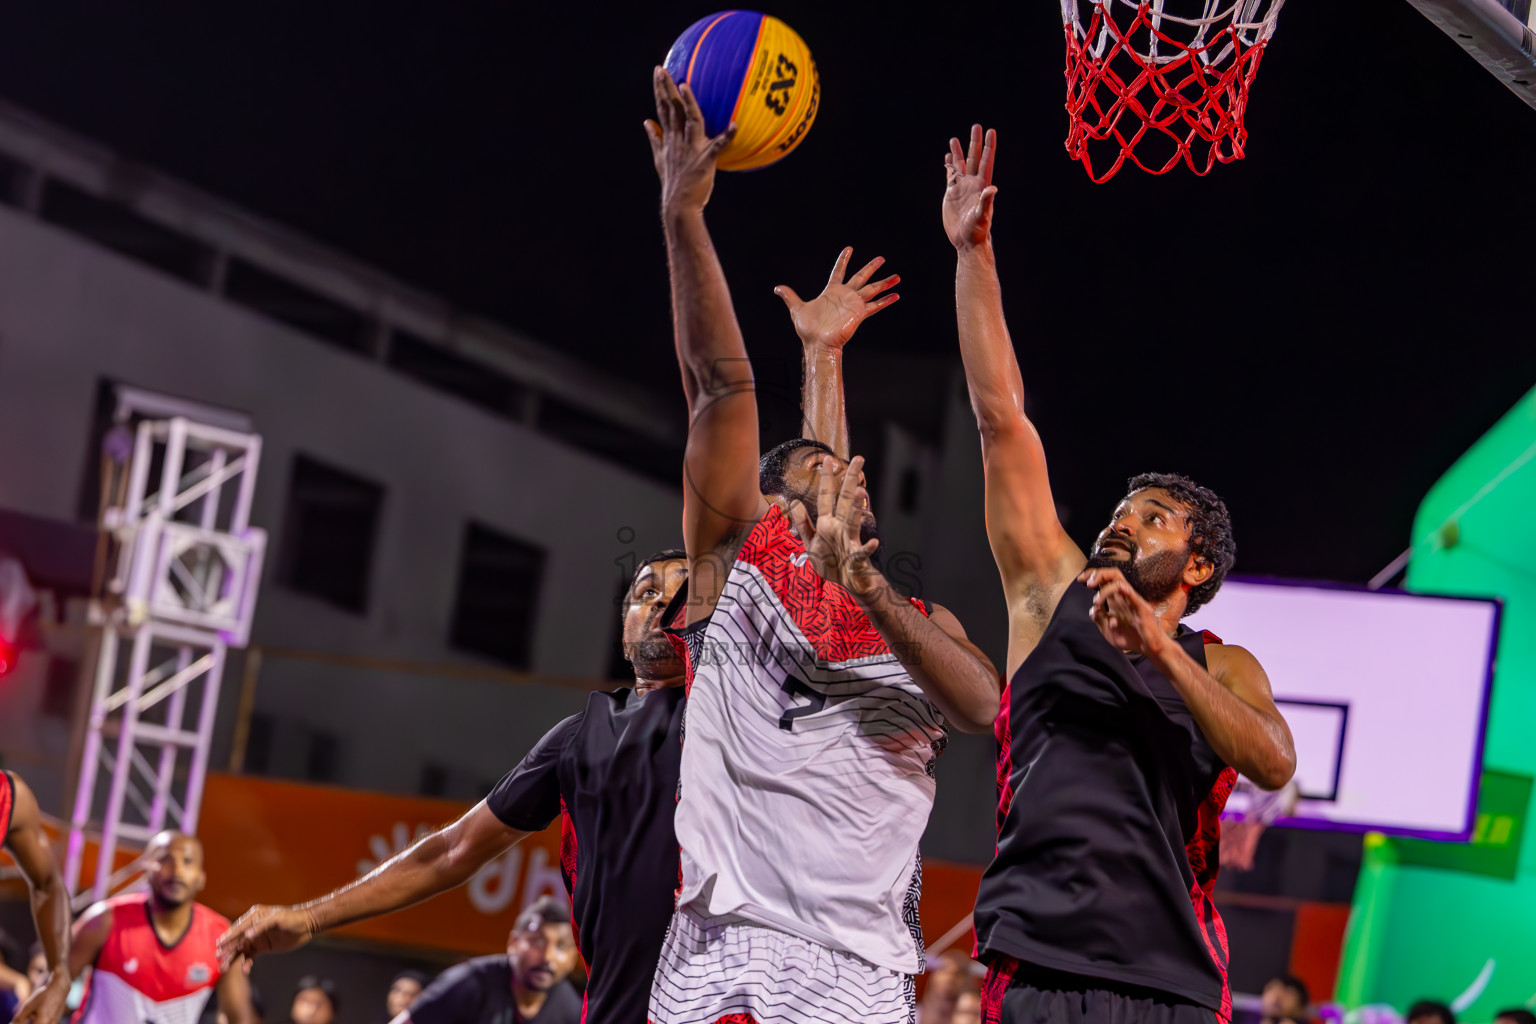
x,y
1285,996
1518,1015
314,1002
1428,1011
527,986
403,992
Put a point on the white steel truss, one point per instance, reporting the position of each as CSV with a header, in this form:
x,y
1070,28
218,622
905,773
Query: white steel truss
x,y
182,590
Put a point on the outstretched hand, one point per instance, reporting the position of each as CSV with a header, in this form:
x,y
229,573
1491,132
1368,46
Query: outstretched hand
x,y
969,192
46,1004
683,154
1126,619
832,542
265,930
831,318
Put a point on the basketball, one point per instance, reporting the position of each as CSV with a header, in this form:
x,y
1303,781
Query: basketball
x,y
752,69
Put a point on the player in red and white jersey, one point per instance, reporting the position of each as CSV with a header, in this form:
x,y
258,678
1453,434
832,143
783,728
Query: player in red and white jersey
x,y
153,954
22,835
818,696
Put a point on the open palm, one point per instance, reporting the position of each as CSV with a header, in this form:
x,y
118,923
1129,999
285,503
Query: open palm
x,y
969,192
831,318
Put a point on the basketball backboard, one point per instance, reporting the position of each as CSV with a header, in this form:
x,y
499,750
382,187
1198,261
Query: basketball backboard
x,y
1386,694
1501,34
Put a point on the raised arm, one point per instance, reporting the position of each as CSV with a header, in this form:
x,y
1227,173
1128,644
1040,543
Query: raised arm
x,y
1033,552
825,324
434,863
721,499
951,671
29,844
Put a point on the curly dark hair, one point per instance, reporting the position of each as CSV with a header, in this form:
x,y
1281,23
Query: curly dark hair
x,y
770,468
1210,528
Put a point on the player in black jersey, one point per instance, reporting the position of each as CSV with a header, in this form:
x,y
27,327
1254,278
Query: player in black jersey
x,y
1120,729
609,773
22,836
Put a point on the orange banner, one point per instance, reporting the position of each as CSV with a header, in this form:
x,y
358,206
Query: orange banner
x,y
283,842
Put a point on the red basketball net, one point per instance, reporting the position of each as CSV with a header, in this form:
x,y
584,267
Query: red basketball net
x,y
1155,84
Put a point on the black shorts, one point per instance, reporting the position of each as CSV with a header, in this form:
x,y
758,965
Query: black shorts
x,y
1021,993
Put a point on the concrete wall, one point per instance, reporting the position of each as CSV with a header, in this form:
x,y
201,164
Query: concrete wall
x,y
72,314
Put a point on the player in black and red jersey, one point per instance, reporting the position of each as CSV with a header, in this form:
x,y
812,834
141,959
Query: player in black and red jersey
x,y
609,774
22,835
1120,728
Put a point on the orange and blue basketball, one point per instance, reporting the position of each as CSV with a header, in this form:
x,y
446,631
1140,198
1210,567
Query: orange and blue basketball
x,y
752,69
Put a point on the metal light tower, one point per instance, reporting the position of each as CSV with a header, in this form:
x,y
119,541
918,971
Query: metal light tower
x,y
182,590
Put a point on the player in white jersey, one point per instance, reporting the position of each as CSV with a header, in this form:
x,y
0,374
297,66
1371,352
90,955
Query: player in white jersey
x,y
818,695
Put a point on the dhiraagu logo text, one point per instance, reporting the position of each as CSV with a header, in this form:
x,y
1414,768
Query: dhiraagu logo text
x,y
511,877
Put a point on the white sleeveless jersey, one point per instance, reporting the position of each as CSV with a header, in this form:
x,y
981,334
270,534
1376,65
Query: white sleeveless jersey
x,y
807,769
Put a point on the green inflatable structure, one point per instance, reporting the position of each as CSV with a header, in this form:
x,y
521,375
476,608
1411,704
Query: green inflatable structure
x,y
1457,921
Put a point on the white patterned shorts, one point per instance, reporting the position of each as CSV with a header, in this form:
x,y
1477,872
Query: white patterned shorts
x,y
728,970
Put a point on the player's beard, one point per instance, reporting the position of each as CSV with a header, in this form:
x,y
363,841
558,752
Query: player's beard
x,y
650,651
165,902
1154,577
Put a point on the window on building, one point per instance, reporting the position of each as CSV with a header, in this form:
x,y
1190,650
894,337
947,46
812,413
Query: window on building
x,y
323,758
328,534
118,228
258,745
297,306
458,375
499,580
585,429
434,780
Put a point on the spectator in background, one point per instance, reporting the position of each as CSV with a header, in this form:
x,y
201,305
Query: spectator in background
x,y
1518,1015
37,966
968,1006
403,992
15,986
948,980
527,986
1285,997
1428,1011
314,1001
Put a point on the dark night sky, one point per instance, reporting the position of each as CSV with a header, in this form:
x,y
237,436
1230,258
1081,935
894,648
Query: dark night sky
x,y
1316,331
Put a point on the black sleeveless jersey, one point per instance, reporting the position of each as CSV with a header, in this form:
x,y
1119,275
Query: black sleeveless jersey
x,y
1108,819
610,774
